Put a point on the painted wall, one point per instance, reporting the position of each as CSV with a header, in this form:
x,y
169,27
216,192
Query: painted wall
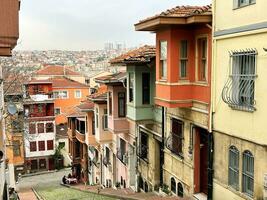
x,y
175,91
239,17
66,104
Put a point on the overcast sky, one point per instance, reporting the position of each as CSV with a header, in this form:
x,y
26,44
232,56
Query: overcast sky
x,y
87,24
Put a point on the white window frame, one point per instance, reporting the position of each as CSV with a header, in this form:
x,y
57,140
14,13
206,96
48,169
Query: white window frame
x,y
75,95
60,96
163,60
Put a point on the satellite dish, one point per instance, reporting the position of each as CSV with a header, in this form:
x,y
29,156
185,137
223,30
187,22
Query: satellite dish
x,y
12,108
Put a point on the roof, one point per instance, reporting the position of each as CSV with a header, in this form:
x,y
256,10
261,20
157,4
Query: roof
x,y
143,54
35,81
86,105
67,83
175,16
100,95
112,78
56,70
75,112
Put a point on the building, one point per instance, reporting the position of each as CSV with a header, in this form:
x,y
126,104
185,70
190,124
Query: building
x,y
183,78
119,155
239,99
39,126
67,94
144,119
9,34
56,71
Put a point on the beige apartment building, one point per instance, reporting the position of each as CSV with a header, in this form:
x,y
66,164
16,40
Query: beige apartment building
x,y
239,99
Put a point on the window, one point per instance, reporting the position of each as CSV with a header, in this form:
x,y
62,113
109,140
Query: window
x,y
163,59
173,185
40,127
131,87
146,88
105,119
96,117
40,108
143,146
16,148
77,149
241,3
57,111
33,146
34,165
121,150
239,89
41,145
60,94
248,173
32,128
42,164
110,103
175,140
50,144
78,94
121,101
49,127
93,126
183,58
180,190
233,173
202,59
107,156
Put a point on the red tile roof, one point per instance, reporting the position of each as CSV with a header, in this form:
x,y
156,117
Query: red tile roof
x,y
141,55
100,95
112,78
35,81
55,70
75,112
183,11
67,83
86,105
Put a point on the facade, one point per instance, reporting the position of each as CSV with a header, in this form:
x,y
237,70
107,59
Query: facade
x,y
9,34
239,99
39,126
67,94
144,118
183,78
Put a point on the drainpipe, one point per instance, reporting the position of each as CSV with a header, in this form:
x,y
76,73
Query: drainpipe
x,y
162,145
210,165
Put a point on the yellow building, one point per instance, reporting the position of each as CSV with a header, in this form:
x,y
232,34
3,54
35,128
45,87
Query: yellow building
x,y
239,99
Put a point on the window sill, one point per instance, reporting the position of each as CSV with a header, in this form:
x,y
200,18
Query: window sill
x,y
243,108
243,6
162,80
201,83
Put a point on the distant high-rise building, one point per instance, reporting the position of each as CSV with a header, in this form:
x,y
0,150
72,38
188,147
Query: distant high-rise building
x,y
108,46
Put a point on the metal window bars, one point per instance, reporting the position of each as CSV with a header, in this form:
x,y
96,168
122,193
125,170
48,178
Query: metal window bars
x,y
239,89
174,143
248,173
233,173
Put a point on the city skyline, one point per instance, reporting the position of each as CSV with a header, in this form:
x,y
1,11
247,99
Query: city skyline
x,y
63,25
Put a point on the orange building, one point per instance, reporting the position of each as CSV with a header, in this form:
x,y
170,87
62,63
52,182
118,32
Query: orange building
x,y
67,94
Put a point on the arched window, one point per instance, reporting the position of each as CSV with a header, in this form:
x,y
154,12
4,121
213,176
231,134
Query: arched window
x,y
173,185
248,173
180,190
146,187
233,168
141,183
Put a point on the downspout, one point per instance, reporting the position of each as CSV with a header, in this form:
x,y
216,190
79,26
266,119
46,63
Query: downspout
x,y
162,145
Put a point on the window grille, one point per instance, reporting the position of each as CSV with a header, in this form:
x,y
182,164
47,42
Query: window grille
x,y
173,185
180,190
233,173
248,173
238,91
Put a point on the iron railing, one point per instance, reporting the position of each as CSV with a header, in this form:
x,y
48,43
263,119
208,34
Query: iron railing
x,y
174,143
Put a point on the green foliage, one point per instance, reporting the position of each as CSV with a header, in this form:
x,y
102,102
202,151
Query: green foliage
x,y
165,189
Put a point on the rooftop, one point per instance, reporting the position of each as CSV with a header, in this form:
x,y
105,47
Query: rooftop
x,y
56,70
100,95
143,54
112,78
67,83
179,15
86,105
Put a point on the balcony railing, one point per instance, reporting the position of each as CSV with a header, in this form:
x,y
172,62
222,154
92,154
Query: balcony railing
x,y
106,161
174,143
122,156
238,91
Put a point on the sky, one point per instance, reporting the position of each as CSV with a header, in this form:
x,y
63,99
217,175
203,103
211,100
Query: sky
x,y
88,24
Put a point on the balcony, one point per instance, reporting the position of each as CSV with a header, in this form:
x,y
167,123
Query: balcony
x,y
174,143
118,125
9,25
80,136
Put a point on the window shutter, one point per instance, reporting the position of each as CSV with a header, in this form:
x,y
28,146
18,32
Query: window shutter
x,y
235,4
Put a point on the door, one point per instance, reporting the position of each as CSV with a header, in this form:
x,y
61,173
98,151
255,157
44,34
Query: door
x,y
51,164
203,161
